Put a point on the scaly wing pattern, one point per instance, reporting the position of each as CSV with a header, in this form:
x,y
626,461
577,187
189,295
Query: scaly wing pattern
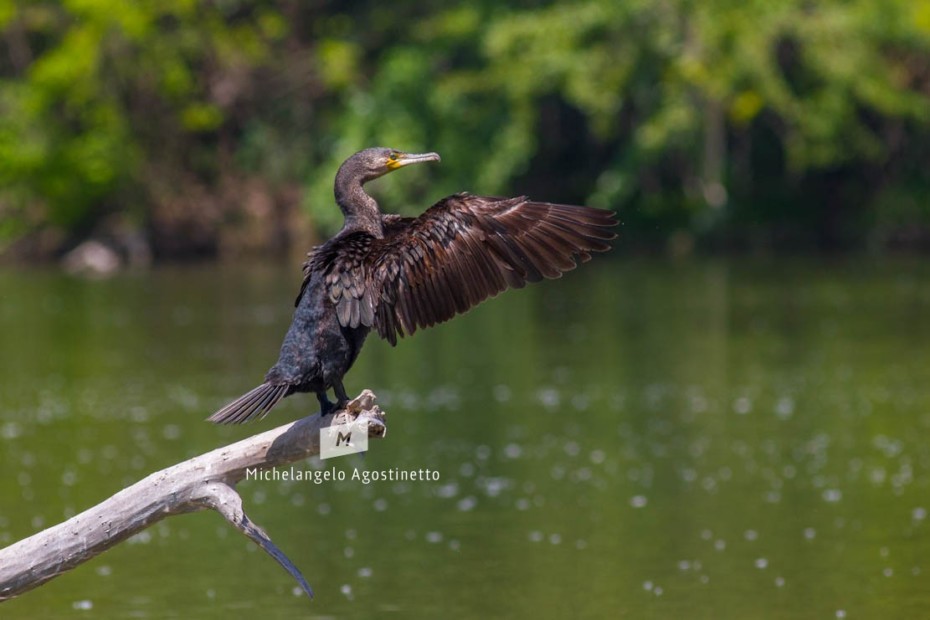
x,y
468,248
343,263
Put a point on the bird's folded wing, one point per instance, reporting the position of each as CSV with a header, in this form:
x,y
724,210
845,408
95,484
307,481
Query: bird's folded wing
x,y
346,279
468,248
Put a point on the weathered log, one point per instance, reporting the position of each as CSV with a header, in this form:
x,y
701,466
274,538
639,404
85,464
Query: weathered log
x,y
205,481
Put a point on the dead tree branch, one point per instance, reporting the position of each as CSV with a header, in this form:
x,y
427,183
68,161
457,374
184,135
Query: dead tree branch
x,y
205,481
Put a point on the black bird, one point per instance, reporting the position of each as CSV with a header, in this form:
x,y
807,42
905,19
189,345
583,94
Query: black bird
x,y
398,274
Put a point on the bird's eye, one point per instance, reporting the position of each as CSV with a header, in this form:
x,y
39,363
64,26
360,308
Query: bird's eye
x,y
393,157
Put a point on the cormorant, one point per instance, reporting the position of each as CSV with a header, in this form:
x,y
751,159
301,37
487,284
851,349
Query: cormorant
x,y
398,274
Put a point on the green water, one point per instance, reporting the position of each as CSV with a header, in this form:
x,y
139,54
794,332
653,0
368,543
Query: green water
x,y
640,440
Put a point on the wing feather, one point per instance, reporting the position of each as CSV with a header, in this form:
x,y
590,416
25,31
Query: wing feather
x,y
342,264
468,248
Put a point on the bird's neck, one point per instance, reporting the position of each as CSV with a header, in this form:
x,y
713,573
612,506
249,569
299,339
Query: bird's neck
x,y
360,210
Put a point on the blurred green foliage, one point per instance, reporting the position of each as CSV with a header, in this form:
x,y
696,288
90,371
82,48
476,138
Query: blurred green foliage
x,y
747,124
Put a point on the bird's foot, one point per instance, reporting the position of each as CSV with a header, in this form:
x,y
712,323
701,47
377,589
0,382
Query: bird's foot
x,y
342,399
326,407
329,407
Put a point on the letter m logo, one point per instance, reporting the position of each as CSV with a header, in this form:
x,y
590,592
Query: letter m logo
x,y
337,440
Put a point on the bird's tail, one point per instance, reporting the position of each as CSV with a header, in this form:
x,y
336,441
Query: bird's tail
x,y
255,403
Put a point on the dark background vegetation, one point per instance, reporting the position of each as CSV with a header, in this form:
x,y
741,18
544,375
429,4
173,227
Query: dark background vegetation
x,y
184,128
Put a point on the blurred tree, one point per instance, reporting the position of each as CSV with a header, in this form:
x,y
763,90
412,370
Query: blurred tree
x,y
707,117
111,106
203,123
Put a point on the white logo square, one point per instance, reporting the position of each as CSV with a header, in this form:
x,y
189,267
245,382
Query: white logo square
x,y
343,439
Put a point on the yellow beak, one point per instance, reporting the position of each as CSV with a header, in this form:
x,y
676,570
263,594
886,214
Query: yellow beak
x,y
405,159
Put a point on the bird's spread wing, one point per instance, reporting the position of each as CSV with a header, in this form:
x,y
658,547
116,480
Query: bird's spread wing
x,y
463,250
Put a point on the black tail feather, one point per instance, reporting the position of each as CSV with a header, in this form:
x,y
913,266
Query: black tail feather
x,y
254,404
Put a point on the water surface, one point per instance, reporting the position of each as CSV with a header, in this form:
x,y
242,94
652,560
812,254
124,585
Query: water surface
x,y
639,439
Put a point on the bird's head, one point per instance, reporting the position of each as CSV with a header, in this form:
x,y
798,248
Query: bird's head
x,y
378,161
